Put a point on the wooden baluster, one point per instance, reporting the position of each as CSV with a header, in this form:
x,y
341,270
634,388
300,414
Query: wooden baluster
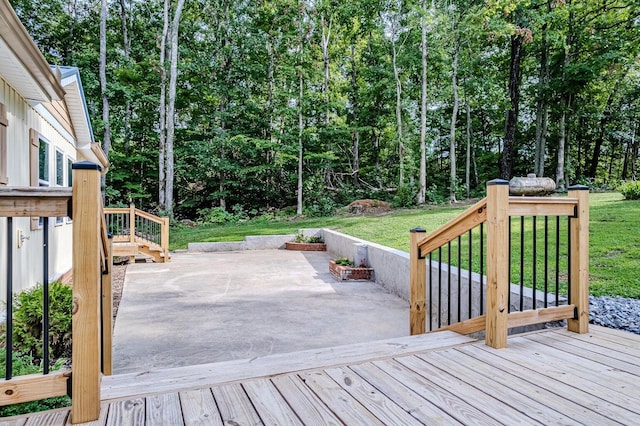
x,y
417,282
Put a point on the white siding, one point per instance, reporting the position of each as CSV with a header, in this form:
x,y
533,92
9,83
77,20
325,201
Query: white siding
x,y
27,261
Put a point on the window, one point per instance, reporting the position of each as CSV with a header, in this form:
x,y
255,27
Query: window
x,y
43,163
69,172
4,122
60,177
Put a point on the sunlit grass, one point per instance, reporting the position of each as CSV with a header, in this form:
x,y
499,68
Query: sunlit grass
x,y
614,239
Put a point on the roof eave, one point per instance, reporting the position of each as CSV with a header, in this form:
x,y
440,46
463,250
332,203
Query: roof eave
x,y
23,47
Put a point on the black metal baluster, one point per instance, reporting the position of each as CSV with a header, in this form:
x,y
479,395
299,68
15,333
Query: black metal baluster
x,y
481,268
8,367
45,295
470,273
460,276
509,268
430,301
557,258
535,266
449,283
569,259
546,261
439,287
521,263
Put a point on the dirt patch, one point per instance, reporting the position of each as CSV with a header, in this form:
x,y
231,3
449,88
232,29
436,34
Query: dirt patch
x,y
117,285
368,206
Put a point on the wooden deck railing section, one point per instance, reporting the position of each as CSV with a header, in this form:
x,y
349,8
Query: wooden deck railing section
x,y
91,314
494,212
136,231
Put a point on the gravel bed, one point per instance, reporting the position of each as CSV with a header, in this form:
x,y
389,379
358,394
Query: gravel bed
x,y
615,312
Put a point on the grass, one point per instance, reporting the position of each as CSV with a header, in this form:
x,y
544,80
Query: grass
x,y
614,236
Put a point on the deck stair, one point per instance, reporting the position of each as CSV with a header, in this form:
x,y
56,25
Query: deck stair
x,y
137,233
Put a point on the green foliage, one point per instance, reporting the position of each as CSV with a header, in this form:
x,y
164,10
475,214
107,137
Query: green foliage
x,y
344,261
405,196
27,322
614,268
630,190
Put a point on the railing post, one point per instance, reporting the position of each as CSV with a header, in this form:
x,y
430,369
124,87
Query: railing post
x,y
132,228
164,238
87,272
580,261
417,278
497,263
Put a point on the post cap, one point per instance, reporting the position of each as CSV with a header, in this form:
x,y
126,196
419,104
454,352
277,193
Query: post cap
x,y
498,182
578,188
418,230
86,165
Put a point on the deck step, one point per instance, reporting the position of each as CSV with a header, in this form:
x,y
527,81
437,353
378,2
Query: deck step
x,y
207,375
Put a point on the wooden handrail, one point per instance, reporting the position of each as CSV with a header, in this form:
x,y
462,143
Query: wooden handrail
x,y
462,223
133,237
495,210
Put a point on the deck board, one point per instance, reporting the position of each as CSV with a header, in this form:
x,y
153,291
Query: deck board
x,y
199,408
547,377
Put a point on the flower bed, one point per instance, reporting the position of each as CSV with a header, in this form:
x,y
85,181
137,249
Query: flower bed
x,y
346,272
293,245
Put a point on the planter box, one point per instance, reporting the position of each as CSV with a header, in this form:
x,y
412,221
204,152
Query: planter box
x,y
344,273
290,245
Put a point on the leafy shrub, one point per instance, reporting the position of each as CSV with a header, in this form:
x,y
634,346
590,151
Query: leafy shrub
x,y
214,216
27,322
405,196
630,190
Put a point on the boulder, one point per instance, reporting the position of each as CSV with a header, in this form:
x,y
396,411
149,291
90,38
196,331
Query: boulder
x,y
531,185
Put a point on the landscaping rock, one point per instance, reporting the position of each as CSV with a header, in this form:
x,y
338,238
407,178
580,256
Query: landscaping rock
x,y
615,312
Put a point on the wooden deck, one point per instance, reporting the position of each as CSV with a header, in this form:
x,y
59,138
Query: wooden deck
x,y
547,377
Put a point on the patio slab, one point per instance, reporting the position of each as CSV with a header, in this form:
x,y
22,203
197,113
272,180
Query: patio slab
x,y
209,307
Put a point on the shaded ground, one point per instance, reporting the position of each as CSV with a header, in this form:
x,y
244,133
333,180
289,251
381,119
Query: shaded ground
x,y
210,307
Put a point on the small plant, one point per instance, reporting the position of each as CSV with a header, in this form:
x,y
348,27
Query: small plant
x,y
630,190
344,261
315,239
27,322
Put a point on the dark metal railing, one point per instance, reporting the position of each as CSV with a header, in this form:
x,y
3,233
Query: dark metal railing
x,y
8,373
455,277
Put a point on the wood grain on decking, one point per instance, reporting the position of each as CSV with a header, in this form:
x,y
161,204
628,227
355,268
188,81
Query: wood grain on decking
x,y
548,377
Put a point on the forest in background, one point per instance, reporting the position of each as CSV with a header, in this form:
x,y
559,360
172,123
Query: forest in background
x,y
210,106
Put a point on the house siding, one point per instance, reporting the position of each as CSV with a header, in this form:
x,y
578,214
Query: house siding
x,y
27,260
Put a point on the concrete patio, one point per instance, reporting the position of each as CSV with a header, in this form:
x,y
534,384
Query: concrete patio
x,y
211,307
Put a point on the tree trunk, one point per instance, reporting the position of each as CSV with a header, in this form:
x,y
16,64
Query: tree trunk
x,y
560,180
326,35
162,167
604,122
127,56
106,141
423,108
173,77
396,73
542,108
467,166
634,152
506,163
454,118
300,147
356,119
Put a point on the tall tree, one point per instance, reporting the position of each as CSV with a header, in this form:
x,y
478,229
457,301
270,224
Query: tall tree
x,y
104,14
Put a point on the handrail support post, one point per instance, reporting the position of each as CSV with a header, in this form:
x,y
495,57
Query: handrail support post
x,y
580,260
417,280
497,309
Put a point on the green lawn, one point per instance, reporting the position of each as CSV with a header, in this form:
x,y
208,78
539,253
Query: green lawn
x,y
614,236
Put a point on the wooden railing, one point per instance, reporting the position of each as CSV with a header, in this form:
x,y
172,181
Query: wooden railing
x,y
135,231
490,310
91,314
